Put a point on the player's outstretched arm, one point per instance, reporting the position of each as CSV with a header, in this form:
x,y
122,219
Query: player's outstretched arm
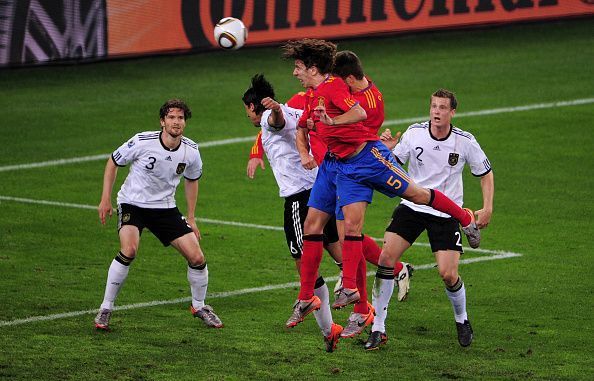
x,y
105,209
483,216
389,140
191,191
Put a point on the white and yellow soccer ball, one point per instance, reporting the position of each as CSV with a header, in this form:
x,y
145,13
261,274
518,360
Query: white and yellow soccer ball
x,y
230,33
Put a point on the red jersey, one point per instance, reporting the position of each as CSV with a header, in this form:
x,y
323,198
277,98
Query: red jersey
x,y
372,102
334,94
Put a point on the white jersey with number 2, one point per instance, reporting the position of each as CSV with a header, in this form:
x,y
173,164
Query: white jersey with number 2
x,y
438,163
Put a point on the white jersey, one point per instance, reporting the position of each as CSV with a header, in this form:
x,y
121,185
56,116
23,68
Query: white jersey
x,y
156,170
438,163
281,149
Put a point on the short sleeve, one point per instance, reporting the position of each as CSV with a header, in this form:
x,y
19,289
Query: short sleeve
x,y
126,153
194,169
476,159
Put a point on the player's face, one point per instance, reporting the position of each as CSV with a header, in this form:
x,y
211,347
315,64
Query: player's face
x,y
254,118
174,122
303,74
441,112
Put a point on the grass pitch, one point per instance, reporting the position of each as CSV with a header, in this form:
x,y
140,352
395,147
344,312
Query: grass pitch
x,y
532,314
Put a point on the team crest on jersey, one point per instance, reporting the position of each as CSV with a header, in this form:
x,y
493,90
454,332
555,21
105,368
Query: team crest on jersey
x,y
126,217
180,168
321,102
453,159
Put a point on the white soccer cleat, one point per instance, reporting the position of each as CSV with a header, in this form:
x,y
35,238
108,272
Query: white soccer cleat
x,y
403,280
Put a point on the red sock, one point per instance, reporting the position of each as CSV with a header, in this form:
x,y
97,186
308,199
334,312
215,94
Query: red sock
x,y
313,249
371,250
443,203
361,306
397,268
352,252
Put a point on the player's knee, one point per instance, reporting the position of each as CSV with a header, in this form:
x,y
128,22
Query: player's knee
x,y
129,250
449,276
196,260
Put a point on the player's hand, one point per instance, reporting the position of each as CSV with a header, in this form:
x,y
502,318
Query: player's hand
x,y
320,112
104,210
483,217
253,164
308,162
270,104
310,124
192,223
389,140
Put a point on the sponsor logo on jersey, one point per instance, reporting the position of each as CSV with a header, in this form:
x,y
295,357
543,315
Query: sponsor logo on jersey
x,y
168,158
180,168
436,148
453,159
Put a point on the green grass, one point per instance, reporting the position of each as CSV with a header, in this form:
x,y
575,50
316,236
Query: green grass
x,y
532,314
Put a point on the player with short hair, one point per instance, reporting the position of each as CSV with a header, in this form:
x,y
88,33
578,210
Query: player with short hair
x,y
158,160
436,152
363,164
278,125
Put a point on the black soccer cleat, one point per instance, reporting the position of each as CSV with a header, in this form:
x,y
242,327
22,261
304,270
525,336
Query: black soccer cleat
x,y
465,335
376,339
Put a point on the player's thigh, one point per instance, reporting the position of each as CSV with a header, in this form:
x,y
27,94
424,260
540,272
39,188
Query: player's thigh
x,y
406,223
295,212
393,248
189,247
131,222
167,225
323,192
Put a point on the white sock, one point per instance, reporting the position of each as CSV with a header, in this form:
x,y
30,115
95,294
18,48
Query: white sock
x,y
198,284
458,300
381,294
116,276
324,314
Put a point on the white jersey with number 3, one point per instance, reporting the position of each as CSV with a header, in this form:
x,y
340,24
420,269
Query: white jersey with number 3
x,y
438,163
155,170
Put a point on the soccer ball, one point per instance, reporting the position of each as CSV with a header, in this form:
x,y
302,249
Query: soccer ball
x,y
230,33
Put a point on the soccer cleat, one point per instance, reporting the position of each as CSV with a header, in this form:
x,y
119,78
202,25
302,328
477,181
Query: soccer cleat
x,y
207,314
403,280
102,319
338,286
465,335
332,339
472,232
357,323
376,339
345,297
302,308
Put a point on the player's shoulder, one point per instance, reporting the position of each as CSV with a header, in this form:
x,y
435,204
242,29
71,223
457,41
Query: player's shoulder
x,y
189,142
144,138
418,127
464,134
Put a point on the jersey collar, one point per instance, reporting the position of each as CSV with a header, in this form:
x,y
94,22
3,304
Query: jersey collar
x,y
442,139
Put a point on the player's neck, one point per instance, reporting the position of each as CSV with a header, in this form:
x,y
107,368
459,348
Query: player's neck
x,y
318,79
360,85
171,142
440,132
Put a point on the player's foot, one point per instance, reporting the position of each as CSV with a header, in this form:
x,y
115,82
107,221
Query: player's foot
x,y
338,285
207,314
345,297
302,308
102,319
465,335
332,339
376,339
472,232
403,280
357,323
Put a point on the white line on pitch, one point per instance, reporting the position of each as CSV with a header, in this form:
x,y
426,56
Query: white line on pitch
x,y
226,294
392,122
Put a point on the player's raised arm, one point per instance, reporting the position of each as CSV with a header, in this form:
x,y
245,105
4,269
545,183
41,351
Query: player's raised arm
x,y
105,209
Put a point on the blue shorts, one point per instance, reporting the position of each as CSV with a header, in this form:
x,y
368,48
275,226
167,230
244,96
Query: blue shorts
x,y
323,193
373,168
